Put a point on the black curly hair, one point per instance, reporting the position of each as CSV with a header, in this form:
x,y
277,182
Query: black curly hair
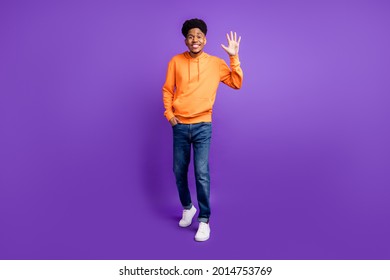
x,y
193,23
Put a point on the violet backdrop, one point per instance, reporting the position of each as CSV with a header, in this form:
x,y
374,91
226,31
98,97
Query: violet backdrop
x,y
300,155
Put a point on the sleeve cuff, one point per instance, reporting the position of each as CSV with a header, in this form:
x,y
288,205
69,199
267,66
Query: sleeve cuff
x,y
234,60
169,115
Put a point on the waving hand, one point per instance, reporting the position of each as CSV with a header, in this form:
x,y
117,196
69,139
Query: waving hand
x,y
233,43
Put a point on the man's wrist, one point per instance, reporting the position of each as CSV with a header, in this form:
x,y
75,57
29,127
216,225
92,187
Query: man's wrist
x,y
173,121
169,116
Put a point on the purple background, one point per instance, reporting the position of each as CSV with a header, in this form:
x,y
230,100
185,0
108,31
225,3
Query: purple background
x,y
300,155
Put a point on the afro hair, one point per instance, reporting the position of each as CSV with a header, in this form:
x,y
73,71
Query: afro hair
x,y
193,23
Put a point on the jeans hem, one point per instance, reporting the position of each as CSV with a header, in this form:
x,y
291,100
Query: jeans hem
x,y
203,220
188,207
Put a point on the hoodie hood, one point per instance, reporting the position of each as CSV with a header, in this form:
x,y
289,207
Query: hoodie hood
x,y
198,60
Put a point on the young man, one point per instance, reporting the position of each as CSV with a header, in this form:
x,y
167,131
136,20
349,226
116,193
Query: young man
x,y
189,94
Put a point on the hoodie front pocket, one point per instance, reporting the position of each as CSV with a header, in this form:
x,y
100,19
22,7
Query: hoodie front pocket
x,y
192,107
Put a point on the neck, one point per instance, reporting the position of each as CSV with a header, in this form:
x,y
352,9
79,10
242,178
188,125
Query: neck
x,y
195,55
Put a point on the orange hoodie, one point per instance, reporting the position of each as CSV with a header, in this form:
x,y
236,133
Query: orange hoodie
x,y
191,85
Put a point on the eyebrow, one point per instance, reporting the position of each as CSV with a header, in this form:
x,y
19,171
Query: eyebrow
x,y
199,33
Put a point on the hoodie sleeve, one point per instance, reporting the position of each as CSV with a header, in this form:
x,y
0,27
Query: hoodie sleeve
x,y
168,91
233,78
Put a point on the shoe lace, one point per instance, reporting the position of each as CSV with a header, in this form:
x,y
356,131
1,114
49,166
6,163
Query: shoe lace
x,y
202,227
186,212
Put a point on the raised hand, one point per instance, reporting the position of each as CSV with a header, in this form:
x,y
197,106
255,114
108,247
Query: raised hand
x,y
233,43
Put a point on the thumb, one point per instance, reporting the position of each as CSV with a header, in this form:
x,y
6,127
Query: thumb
x,y
224,47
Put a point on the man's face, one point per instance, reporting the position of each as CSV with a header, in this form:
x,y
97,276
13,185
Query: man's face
x,y
195,41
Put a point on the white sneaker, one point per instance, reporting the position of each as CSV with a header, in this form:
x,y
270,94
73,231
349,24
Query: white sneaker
x,y
186,220
203,232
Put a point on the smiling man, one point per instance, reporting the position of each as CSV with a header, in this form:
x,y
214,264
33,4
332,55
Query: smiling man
x,y
189,93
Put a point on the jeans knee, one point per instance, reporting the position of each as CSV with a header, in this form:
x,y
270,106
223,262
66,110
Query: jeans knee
x,y
202,173
179,172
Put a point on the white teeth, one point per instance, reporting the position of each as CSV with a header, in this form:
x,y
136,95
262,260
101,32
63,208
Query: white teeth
x,y
195,46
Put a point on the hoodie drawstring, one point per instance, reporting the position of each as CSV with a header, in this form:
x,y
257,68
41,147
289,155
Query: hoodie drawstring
x,y
189,68
198,69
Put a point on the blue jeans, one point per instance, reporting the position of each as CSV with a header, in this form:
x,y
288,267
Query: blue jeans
x,y
198,135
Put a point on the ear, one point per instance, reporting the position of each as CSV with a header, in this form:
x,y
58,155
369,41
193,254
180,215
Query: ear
x,y
205,40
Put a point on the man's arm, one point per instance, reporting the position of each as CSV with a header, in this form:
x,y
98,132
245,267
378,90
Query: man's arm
x,y
232,77
168,92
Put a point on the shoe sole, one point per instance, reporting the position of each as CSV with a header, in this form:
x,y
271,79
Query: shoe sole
x,y
201,239
184,225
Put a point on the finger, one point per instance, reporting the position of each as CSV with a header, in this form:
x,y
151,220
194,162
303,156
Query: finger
x,y
224,47
227,37
239,40
235,36
231,35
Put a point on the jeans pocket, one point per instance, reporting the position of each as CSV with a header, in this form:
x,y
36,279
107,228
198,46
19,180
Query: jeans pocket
x,y
174,127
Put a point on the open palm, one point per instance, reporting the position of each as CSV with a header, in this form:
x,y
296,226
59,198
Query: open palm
x,y
233,43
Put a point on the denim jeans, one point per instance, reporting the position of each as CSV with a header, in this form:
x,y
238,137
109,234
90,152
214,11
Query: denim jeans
x,y
198,136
